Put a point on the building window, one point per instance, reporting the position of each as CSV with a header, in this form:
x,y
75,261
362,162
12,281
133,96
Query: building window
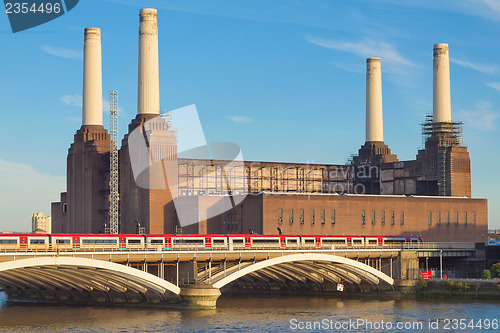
x,y
392,218
64,207
301,216
323,216
456,218
382,217
373,217
448,218
439,218
280,216
402,218
429,222
474,218
291,216
465,218
312,216
333,216
363,217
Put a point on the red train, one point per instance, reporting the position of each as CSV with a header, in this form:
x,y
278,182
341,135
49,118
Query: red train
x,y
76,242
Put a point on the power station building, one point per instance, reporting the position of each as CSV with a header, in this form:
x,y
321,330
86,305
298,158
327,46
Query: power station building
x,y
375,193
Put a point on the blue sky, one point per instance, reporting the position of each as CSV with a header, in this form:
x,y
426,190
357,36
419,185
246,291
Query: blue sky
x,y
283,79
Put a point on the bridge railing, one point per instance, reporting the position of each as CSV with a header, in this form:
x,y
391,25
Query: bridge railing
x,y
43,248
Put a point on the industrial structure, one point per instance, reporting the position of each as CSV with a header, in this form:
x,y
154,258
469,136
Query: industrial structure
x,y
374,194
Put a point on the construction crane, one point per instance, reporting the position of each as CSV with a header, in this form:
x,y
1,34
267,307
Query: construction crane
x,y
113,163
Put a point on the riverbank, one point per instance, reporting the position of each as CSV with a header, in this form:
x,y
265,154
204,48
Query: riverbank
x,y
452,289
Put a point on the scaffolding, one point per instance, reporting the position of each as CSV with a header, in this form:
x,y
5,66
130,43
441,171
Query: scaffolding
x,y
113,163
438,138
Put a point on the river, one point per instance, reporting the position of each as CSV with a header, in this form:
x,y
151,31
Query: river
x,y
262,314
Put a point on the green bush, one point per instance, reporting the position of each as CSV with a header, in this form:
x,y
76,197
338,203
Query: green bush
x,y
420,284
486,274
496,269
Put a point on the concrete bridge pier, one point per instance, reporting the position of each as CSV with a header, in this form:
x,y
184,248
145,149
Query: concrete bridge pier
x,y
200,296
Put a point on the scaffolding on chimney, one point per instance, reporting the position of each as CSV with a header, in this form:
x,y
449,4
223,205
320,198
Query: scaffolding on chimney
x,y
113,163
443,135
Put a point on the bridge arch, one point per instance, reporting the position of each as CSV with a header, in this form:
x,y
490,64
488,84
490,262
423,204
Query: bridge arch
x,y
316,265
75,277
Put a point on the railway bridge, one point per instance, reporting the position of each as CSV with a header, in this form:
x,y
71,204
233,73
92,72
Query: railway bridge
x,y
195,276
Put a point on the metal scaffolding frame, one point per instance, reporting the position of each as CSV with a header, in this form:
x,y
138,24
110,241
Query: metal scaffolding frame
x,y
113,163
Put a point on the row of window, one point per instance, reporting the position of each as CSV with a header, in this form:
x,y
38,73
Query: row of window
x,y
447,218
302,216
373,217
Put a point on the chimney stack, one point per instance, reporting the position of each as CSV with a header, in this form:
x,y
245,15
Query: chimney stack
x,y
441,84
92,78
148,100
374,121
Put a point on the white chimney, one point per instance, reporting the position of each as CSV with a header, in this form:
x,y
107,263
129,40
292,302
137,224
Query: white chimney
x,y
148,99
441,84
374,120
92,78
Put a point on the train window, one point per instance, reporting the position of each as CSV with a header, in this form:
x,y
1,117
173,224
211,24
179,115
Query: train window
x,y
336,241
382,217
280,216
363,217
156,241
308,240
301,216
37,241
372,241
98,241
358,241
429,222
63,241
289,241
218,241
438,218
333,216
134,241
189,241
312,216
237,241
261,241
8,241
322,216
394,241
373,217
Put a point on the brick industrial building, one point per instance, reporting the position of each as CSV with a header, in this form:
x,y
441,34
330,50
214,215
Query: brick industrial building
x,y
373,194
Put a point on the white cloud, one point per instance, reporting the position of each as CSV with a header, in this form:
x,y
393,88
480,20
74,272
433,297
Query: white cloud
x,y
23,191
369,48
349,68
488,69
482,117
73,100
62,52
239,119
494,85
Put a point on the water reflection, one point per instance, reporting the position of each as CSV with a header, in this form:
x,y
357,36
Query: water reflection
x,y
243,313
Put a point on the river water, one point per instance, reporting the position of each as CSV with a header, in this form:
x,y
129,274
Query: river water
x,y
262,314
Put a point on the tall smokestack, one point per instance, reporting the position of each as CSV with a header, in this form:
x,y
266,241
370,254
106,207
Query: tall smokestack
x,y
148,101
92,78
441,84
374,121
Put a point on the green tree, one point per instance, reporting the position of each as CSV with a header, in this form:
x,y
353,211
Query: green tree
x,y
486,274
496,269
